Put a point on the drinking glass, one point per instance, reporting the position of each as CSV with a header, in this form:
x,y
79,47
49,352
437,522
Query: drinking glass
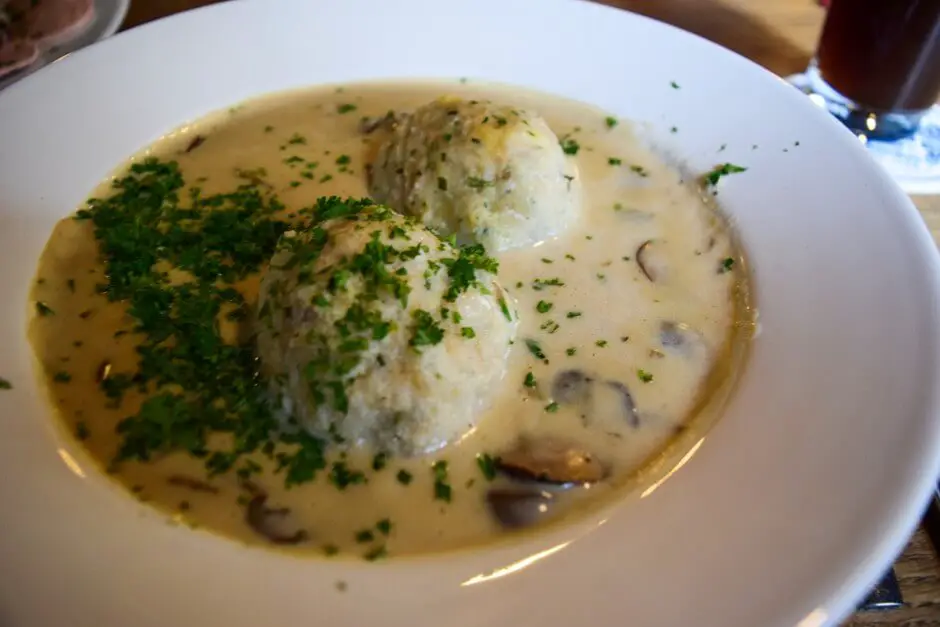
x,y
877,66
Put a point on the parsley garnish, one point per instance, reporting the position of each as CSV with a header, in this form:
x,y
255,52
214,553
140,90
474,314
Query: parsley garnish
x,y
504,308
614,160
543,306
379,461
43,309
569,145
644,376
726,264
571,351
442,490
346,108
535,348
342,477
600,343
529,381
487,465
540,284
425,331
573,314
712,177
384,526
468,332
611,122
404,477
640,170
551,407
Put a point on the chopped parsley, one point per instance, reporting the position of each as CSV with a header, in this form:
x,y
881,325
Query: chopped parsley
x,y
600,343
384,526
379,461
442,183
404,477
610,121
726,265
342,477
573,314
614,161
639,170
505,309
297,138
674,84
343,160
468,332
5,385
425,331
442,489
540,284
551,407
529,381
569,145
364,536
43,309
345,108
487,466
377,553
644,376
571,351
714,175
535,348
543,306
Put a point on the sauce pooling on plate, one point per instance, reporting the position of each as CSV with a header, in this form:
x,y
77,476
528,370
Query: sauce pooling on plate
x,y
609,347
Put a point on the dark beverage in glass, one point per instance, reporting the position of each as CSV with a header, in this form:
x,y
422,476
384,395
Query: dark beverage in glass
x,y
878,64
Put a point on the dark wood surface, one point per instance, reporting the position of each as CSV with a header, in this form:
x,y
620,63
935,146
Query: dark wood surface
x,y
780,35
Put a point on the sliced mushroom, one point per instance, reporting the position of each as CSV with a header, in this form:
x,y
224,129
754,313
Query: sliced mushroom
x,y
196,142
267,521
652,261
572,386
191,483
515,508
681,339
371,124
550,460
626,402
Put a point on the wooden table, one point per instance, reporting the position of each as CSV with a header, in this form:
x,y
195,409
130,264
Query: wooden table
x,y
781,36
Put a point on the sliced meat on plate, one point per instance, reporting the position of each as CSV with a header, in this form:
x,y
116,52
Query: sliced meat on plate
x,y
16,54
51,23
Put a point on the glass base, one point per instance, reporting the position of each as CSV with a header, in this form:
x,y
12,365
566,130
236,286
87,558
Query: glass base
x,y
871,124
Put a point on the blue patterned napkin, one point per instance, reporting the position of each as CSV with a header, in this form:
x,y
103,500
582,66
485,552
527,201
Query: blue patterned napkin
x,y
913,162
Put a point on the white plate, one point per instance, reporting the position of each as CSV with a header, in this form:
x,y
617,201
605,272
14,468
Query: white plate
x,y
790,508
109,15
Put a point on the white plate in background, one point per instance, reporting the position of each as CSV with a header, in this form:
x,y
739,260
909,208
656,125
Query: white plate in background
x,y
109,15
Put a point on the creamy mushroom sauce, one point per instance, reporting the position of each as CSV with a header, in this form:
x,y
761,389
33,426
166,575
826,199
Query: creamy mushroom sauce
x,y
601,316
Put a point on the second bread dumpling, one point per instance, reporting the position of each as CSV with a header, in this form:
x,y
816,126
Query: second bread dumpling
x,y
486,173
